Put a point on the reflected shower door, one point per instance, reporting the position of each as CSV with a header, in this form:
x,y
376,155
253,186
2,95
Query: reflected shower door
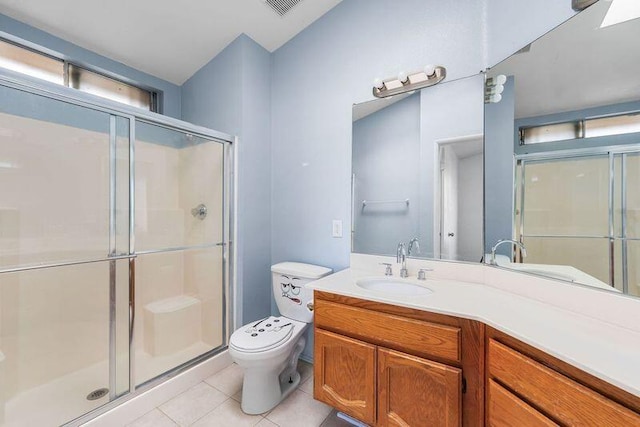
x,y
564,213
179,200
627,218
64,292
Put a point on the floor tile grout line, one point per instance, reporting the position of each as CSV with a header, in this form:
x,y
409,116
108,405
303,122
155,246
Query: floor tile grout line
x,y
180,394
210,411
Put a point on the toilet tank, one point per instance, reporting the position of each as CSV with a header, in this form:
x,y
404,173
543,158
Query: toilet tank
x,y
289,280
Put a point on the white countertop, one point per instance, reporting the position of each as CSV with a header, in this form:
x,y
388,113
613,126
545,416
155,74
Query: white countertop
x,y
605,350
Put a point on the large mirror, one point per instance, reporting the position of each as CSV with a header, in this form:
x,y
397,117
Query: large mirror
x,y
562,154
417,173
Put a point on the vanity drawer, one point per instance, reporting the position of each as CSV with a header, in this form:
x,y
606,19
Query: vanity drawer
x,y
503,408
569,402
399,333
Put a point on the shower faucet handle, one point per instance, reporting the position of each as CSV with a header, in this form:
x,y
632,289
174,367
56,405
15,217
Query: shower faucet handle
x,y
199,211
387,271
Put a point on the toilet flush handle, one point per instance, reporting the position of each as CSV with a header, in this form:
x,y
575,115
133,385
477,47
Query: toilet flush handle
x,y
310,305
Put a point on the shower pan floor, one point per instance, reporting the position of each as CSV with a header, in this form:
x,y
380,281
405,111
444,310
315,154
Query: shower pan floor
x,y
65,398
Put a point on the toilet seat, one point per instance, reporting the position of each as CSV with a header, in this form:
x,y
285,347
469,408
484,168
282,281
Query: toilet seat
x,y
265,334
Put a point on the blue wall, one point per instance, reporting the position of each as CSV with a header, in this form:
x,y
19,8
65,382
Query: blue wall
x,y
498,169
326,68
449,110
386,164
232,94
321,72
318,76
23,33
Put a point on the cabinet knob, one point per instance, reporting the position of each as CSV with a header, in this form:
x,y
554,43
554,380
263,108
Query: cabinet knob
x,y
310,305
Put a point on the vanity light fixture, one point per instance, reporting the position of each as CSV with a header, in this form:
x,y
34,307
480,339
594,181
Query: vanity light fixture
x,y
407,82
493,89
579,5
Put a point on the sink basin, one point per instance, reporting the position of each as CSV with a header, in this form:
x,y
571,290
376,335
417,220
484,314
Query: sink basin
x,y
392,286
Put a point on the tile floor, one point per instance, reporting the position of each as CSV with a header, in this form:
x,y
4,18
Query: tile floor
x,y
216,402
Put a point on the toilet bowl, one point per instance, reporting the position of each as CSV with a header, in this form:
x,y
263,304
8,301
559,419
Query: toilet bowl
x,y
268,349
270,363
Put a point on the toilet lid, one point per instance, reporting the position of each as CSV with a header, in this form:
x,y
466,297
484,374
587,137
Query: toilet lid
x,y
262,334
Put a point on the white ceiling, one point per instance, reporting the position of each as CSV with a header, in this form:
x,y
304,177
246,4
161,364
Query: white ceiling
x,y
168,39
576,66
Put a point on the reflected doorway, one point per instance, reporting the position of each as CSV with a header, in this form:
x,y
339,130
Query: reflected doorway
x,y
459,205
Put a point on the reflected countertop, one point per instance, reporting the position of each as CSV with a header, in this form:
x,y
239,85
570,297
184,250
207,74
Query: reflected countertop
x,y
604,349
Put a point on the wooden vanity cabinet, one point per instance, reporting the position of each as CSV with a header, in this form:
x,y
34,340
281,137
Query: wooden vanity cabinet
x,y
347,368
413,391
393,366
528,385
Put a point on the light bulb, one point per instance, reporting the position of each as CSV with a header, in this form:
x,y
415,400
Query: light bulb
x,y
430,70
402,76
500,79
378,84
492,90
495,98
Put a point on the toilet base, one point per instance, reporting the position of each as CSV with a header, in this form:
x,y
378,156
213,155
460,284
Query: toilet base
x,y
263,390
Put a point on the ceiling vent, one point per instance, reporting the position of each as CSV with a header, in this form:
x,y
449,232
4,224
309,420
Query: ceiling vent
x,y
281,7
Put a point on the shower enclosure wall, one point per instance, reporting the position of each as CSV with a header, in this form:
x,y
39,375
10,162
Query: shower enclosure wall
x,y
115,231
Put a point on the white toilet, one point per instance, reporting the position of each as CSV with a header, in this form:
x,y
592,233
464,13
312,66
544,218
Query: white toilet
x,y
268,349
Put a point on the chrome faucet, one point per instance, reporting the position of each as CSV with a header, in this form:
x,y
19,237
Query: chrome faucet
x,y
413,242
523,251
401,257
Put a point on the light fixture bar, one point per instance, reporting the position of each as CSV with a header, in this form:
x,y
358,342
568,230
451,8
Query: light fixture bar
x,y
430,76
493,88
579,5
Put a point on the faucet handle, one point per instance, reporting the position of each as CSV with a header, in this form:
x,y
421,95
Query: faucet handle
x,y
422,273
387,271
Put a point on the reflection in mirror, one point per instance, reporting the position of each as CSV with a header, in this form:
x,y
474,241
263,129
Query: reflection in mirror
x,y
417,173
562,151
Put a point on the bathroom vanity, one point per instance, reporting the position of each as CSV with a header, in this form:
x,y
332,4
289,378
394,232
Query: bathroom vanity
x,y
377,361
463,355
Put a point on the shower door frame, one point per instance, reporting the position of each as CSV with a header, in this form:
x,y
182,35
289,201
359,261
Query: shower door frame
x,y
114,109
610,151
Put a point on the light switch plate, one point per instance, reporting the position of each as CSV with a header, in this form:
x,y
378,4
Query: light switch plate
x,y
336,228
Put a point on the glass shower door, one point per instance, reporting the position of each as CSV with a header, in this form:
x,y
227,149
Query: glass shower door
x,y
64,236
564,213
627,218
179,235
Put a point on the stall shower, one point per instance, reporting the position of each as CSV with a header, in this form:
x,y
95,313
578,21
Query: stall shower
x,y
115,231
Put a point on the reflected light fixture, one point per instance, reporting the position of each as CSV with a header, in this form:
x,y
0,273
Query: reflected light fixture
x,y
621,11
408,82
493,89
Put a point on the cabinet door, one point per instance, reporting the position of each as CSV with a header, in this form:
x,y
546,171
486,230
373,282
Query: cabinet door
x,y
417,392
504,409
345,375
